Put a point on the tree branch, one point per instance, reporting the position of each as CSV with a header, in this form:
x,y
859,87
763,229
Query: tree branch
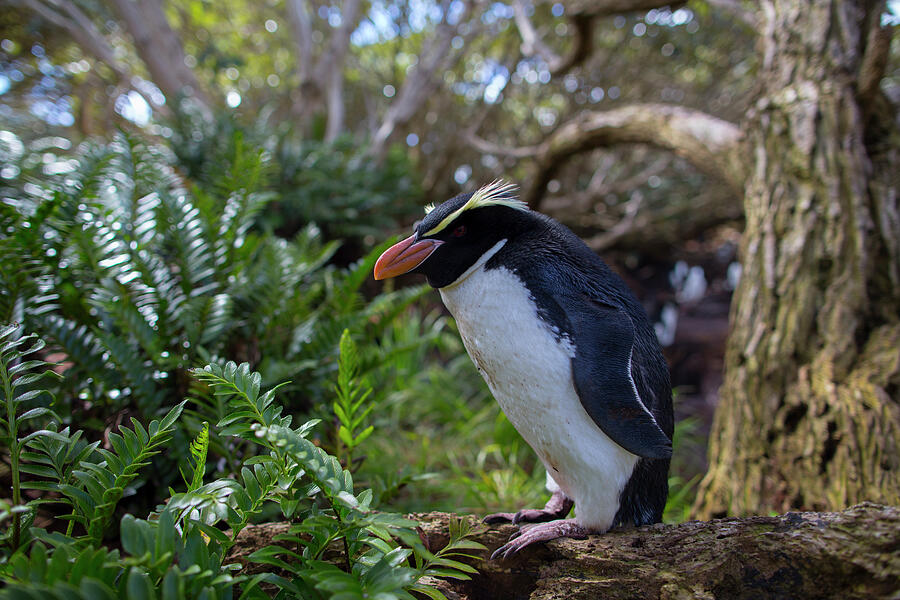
x,y
487,147
419,82
298,16
161,50
607,8
709,143
66,15
531,42
331,68
828,555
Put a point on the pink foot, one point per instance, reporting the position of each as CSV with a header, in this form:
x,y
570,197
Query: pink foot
x,y
540,533
557,507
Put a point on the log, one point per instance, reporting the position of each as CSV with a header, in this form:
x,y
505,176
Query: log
x,y
854,553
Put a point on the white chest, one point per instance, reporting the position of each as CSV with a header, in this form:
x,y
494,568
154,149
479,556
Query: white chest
x,y
527,367
521,359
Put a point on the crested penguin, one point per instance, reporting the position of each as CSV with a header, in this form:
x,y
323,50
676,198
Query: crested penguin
x,y
566,350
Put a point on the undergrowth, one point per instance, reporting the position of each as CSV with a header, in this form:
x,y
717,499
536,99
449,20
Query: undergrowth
x,y
181,548
133,277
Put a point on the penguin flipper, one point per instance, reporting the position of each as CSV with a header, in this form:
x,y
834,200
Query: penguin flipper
x,y
601,369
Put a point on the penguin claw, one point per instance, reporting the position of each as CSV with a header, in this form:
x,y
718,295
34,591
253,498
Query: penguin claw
x,y
541,532
526,515
500,517
557,507
534,515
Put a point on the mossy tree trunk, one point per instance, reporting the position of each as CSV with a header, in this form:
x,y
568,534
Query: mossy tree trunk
x,y
810,409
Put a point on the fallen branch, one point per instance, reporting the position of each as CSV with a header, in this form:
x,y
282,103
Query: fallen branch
x,y
850,554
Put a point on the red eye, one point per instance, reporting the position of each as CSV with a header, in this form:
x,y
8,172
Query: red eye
x,y
459,231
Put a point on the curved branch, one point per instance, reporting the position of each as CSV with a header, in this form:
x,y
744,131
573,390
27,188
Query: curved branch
x,y
532,44
487,147
67,16
606,8
581,48
709,143
582,14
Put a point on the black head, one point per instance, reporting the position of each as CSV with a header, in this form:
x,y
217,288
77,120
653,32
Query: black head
x,y
456,235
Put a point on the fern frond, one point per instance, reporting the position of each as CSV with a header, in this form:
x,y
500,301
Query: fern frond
x,y
198,450
351,394
103,484
52,458
79,344
206,318
323,469
184,235
248,407
17,378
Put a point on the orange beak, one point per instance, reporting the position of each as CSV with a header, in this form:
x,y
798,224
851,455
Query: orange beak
x,y
404,256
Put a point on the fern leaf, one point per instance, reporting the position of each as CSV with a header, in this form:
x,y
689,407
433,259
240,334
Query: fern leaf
x,y
102,484
198,450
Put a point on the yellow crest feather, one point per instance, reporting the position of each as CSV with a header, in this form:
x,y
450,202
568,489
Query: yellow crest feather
x,y
496,193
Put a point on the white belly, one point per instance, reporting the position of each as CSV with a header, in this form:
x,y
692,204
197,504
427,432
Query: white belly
x,y
525,367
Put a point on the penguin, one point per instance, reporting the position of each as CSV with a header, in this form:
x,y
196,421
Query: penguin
x,y
566,350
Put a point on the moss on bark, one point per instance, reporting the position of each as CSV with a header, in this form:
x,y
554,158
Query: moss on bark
x,y
810,414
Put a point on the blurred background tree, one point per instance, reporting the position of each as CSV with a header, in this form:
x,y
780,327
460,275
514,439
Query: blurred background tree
x,y
650,128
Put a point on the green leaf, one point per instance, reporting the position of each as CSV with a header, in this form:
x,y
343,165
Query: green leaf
x,y
37,412
429,591
347,499
139,586
363,436
45,433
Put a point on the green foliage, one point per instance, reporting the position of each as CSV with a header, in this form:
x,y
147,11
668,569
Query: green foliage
x,y
135,279
198,451
180,550
341,189
684,477
18,376
348,404
63,571
295,471
336,185
103,484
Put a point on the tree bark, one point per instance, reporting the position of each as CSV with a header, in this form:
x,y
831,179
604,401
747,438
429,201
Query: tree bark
x,y
68,16
420,82
160,49
809,415
844,555
330,69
